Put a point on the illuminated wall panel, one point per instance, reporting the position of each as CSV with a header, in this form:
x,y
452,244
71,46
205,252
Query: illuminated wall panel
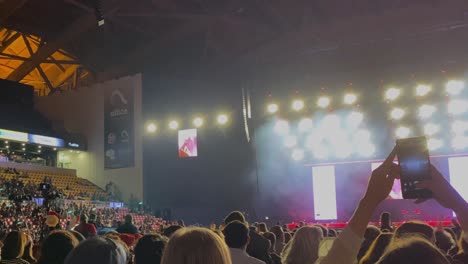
x,y
458,178
323,179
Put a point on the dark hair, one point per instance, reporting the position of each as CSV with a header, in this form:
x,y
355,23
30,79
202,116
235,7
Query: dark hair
x,y
56,246
377,248
13,245
128,219
236,234
371,233
262,228
444,240
412,250
149,249
168,232
102,250
415,227
233,216
324,230
287,237
272,238
385,219
77,235
278,231
332,233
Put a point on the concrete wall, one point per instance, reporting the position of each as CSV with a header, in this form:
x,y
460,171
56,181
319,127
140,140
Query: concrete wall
x,y
82,112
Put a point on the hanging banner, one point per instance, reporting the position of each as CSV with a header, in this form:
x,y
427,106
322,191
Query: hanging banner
x,y
119,148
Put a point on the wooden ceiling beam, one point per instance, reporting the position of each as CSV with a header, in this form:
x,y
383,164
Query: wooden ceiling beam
x,y
6,43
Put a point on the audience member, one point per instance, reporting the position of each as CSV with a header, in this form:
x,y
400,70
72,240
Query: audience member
x,y
304,246
377,249
98,250
371,233
415,228
386,222
195,246
85,228
444,241
149,249
279,234
262,228
13,248
236,235
287,238
275,258
168,232
56,246
128,227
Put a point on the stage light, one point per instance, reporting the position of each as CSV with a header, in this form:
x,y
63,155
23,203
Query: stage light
x,y
397,113
281,127
361,137
330,123
272,108
323,102
457,107
55,149
454,87
22,144
290,141
425,111
355,119
343,150
298,154
305,125
6,142
151,128
402,132
459,127
39,151
366,150
39,146
422,90
7,146
434,143
198,122
349,98
23,149
173,125
392,94
460,142
431,129
298,105
222,119
320,152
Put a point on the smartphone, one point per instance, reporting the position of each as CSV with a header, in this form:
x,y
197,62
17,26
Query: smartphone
x,y
413,158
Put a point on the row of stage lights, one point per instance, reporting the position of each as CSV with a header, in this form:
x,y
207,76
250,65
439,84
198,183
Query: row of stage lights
x,y
23,147
221,120
453,87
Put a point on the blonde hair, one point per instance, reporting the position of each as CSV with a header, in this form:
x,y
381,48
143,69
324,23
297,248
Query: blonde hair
x,y
303,247
196,245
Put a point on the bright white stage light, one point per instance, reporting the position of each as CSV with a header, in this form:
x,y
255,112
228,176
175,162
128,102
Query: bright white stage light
x,y
454,87
173,125
297,154
422,90
366,150
290,141
431,129
222,119
272,108
397,113
434,143
198,122
305,125
392,94
323,102
330,123
402,132
343,150
460,142
355,118
151,128
426,111
281,127
297,105
457,107
320,152
459,127
361,137
349,98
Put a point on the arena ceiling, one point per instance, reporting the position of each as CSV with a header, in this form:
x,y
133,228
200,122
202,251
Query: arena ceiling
x,y
57,44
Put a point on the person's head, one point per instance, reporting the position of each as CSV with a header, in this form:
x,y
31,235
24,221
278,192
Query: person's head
x,y
332,233
287,237
236,235
324,230
377,248
412,250
443,240
371,233
279,234
84,219
272,238
169,231
13,245
196,246
128,219
262,228
385,219
304,246
98,250
77,235
56,246
149,249
415,228
233,216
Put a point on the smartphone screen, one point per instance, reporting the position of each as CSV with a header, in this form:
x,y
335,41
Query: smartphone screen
x,y
413,158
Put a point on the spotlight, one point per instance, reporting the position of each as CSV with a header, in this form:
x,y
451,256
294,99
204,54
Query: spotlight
x,y
320,152
349,99
297,105
460,142
7,146
173,125
198,122
272,108
323,102
55,149
23,149
457,107
343,150
298,154
366,150
433,144
355,118
6,142
281,127
330,123
39,146
305,124
222,119
459,127
431,129
402,132
39,151
422,90
22,144
392,94
361,137
397,113
290,141
151,128
454,87
425,111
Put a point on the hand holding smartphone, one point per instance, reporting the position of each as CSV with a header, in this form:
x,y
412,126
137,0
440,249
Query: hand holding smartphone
x,y
413,159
